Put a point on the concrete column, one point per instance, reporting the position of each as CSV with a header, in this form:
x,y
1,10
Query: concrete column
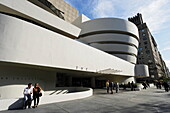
x,y
93,82
69,81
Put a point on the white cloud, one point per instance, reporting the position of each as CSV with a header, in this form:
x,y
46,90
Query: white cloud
x,y
156,13
165,49
103,8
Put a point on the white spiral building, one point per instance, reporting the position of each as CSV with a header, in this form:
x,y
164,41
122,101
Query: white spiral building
x,y
38,47
112,35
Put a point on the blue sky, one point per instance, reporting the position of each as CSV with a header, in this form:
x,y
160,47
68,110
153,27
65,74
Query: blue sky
x,y
156,13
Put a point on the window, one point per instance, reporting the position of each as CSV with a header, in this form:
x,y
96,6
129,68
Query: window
x,y
151,67
147,52
148,56
144,38
151,71
142,30
152,76
149,61
143,34
140,49
145,43
138,53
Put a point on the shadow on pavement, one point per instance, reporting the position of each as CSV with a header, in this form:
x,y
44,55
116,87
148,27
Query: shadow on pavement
x,y
158,107
16,105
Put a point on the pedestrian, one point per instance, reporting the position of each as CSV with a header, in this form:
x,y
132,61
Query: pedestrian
x,y
117,87
129,85
166,86
132,86
148,85
28,91
107,86
37,93
144,85
111,85
156,83
160,84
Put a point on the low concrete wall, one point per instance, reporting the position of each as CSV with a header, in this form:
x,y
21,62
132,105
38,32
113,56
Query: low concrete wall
x,y
151,85
140,86
66,97
49,97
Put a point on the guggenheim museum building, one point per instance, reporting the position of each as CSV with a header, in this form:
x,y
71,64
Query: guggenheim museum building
x,y
38,45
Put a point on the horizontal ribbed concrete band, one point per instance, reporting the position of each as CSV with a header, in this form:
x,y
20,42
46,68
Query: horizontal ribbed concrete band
x,y
114,42
108,31
110,37
126,57
120,52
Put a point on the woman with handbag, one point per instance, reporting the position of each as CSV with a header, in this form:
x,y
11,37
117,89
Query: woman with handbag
x,y
36,94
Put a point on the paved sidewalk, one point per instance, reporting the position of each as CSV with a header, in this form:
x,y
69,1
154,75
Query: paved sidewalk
x,y
151,100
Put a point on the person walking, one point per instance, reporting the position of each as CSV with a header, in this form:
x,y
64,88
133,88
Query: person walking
x,y
107,86
144,85
28,91
132,86
129,85
111,85
36,94
147,83
166,86
156,83
117,87
159,84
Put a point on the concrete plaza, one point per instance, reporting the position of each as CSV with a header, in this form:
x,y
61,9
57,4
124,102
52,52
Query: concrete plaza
x,y
151,100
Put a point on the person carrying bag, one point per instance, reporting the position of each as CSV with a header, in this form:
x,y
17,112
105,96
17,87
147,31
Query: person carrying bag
x,y
37,93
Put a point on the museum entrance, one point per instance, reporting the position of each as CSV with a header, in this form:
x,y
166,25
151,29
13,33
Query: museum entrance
x,y
81,82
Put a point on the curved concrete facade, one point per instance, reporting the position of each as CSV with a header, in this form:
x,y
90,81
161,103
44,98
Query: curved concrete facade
x,y
115,48
126,57
36,46
114,36
49,49
120,38
22,42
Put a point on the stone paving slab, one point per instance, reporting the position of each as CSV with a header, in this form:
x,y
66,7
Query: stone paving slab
x,y
151,100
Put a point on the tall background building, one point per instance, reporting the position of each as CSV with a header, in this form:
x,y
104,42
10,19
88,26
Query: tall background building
x,y
148,52
70,13
59,8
